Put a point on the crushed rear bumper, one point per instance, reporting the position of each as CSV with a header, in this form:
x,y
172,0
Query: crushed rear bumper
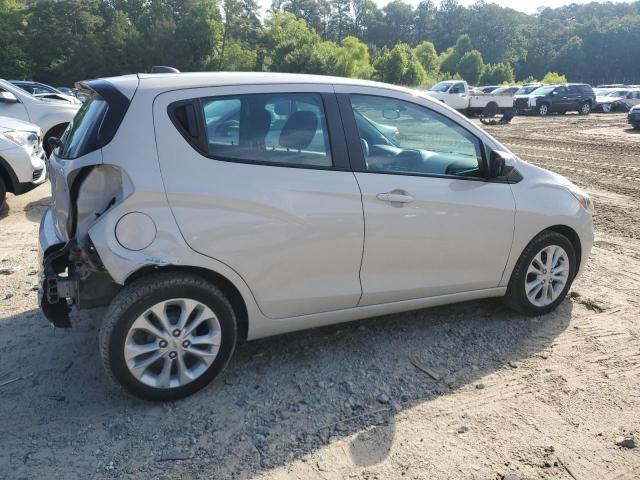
x,y
70,274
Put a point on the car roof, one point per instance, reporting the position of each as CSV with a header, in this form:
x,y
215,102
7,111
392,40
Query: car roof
x,y
202,79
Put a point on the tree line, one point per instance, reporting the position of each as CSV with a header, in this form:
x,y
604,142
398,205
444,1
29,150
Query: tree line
x,y
60,42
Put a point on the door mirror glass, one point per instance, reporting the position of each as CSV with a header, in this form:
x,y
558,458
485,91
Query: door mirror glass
x,y
8,97
555,92
390,114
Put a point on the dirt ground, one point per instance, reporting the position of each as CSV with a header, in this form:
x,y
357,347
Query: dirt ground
x,y
516,397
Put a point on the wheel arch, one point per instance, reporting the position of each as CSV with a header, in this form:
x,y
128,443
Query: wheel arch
x,y
8,175
572,236
220,281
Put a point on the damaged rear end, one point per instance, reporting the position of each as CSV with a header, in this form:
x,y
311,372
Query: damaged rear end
x,y
84,189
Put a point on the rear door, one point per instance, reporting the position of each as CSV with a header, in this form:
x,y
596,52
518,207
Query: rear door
x,y
433,225
262,183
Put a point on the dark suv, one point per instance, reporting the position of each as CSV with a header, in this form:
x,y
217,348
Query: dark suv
x,y
568,97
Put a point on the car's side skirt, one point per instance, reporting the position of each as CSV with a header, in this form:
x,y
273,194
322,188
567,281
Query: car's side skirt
x,y
259,328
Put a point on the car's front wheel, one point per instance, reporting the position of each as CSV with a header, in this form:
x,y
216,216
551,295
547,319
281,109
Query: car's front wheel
x,y
543,109
543,274
167,336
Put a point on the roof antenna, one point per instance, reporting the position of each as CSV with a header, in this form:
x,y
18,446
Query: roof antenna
x,y
163,69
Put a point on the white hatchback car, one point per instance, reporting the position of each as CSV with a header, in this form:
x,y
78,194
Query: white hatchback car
x,y
210,207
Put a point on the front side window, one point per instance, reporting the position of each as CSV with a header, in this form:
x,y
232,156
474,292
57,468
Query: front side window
x,y
280,129
402,137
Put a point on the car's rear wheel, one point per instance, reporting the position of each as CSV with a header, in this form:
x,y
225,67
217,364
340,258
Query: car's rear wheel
x,y
585,108
543,109
636,126
167,336
543,274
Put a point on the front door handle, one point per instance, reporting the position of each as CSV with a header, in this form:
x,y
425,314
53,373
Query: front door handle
x,y
395,197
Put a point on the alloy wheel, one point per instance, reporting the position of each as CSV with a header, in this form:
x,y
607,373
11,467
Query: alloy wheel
x,y
172,343
547,275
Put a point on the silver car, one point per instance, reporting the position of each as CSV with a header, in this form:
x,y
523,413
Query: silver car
x,y
22,158
205,208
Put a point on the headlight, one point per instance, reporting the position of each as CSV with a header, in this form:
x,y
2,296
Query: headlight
x,y
583,199
22,139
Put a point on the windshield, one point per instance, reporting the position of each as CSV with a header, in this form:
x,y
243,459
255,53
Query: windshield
x,y
441,87
80,136
543,90
525,90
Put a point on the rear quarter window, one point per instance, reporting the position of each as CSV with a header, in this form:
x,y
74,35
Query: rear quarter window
x,y
81,136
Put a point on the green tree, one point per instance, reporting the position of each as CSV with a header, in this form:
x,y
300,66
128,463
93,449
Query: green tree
x,y
571,59
451,57
553,77
470,66
352,59
399,66
497,74
426,53
288,44
14,62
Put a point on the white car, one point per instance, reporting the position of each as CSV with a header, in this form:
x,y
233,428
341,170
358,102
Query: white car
x,y
52,116
459,96
618,100
206,208
22,163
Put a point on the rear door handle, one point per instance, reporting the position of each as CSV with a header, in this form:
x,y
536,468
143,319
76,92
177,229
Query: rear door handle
x,y
395,197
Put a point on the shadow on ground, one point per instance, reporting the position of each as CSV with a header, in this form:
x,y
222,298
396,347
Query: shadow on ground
x,y
280,399
35,210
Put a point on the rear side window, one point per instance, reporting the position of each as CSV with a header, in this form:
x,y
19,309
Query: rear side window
x,y
80,137
97,121
276,129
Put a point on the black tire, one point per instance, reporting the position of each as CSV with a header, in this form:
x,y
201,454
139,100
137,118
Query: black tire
x,y
57,132
3,192
133,300
585,108
516,296
543,110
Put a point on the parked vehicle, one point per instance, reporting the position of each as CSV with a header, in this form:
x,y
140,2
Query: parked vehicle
x,y
457,94
525,90
196,235
22,165
562,98
38,89
633,117
487,88
52,116
618,100
505,91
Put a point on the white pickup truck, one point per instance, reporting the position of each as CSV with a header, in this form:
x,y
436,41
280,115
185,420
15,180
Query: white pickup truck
x,y
458,95
52,116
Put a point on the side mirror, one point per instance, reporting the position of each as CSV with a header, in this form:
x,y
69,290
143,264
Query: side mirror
x,y
497,164
54,142
554,93
8,97
390,114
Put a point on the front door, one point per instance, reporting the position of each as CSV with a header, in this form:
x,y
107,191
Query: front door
x,y
13,110
433,225
267,190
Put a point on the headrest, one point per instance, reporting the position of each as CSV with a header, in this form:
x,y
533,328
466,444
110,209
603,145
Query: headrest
x,y
299,130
